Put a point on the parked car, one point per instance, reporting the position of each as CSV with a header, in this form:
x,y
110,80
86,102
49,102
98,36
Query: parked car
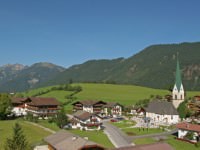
x,y
114,120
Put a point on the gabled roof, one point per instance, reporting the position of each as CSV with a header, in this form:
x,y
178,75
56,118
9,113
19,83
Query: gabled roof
x,y
36,101
89,102
43,101
161,107
63,140
82,115
112,104
178,81
188,126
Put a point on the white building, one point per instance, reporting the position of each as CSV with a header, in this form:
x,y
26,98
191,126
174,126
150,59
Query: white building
x,y
178,93
184,128
162,112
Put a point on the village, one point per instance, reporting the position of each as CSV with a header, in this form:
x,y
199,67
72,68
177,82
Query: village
x,y
117,121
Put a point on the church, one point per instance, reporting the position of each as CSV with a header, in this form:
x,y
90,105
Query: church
x,y
162,111
178,94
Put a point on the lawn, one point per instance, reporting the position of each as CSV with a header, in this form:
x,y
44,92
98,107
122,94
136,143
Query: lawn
x,y
97,136
46,124
141,131
123,123
180,145
33,134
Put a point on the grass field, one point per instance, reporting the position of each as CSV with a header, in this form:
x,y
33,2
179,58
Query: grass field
x,y
144,141
33,134
138,131
123,94
96,136
123,123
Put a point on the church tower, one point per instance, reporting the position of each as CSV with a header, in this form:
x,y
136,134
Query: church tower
x,y
178,93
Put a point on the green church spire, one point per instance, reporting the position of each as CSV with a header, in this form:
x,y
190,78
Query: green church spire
x,y
178,81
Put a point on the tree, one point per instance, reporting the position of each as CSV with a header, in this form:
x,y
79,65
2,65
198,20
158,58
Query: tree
x,y
5,106
18,140
61,119
183,111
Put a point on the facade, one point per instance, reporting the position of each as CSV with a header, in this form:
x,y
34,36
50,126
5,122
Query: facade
x,y
162,112
63,140
184,128
101,108
85,121
42,107
112,109
178,93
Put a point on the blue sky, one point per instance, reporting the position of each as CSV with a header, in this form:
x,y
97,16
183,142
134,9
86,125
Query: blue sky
x,y
71,32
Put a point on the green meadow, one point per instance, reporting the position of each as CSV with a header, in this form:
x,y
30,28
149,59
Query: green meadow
x,y
33,134
123,94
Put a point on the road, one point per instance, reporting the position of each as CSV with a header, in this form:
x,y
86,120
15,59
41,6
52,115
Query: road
x,y
116,136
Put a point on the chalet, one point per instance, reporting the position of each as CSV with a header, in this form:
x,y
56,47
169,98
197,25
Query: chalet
x,y
85,121
112,109
185,128
63,140
37,106
99,107
138,111
90,106
162,112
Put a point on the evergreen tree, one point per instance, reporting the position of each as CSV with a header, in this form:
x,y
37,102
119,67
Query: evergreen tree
x,y
5,106
18,141
61,118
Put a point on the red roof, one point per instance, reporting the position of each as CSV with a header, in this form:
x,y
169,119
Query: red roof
x,y
188,126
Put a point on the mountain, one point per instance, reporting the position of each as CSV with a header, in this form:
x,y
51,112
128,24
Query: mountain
x,y
19,78
152,67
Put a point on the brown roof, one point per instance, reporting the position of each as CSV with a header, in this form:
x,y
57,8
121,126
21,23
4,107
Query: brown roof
x,y
41,101
63,140
82,115
111,104
188,126
155,146
89,102
18,100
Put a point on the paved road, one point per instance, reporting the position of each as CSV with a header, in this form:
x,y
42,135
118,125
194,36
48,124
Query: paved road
x,y
116,136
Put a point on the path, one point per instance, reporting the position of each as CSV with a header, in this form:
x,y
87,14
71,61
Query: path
x,y
116,136
40,126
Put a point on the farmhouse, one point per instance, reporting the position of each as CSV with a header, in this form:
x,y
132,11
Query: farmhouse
x,y
85,121
184,129
162,112
37,106
63,140
99,107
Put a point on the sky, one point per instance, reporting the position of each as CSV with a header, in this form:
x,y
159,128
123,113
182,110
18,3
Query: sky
x,y
68,32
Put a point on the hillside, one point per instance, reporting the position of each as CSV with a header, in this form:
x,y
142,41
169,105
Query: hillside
x,y
152,67
123,94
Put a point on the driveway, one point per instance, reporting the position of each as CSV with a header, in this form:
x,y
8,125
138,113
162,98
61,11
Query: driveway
x,y
116,136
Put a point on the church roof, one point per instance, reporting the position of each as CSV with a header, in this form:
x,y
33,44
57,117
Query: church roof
x,y
161,107
178,81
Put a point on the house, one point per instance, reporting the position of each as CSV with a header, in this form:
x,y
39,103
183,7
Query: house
x,y
38,106
90,106
138,111
99,107
63,140
112,109
85,121
185,128
178,93
162,112
155,146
